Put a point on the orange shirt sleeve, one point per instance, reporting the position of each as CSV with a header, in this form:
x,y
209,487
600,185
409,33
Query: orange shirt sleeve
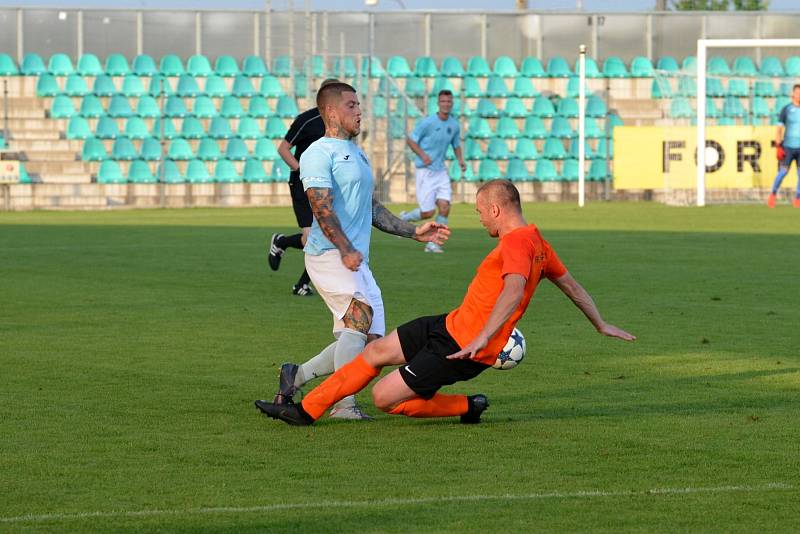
x,y
517,254
554,268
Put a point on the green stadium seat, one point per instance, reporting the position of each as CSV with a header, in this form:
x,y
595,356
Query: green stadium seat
x,y
415,87
601,152
104,86
171,65
507,128
106,128
534,128
557,67
248,128
487,109
456,174
717,66
197,173
175,108
265,150
208,150
397,128
689,64
135,128
505,67
554,149
216,87
592,71
198,65
75,86
286,107
737,87
180,150
397,67
561,128
772,67
78,128
425,67
598,171
472,88
47,85
231,108
342,67
596,107
764,88
236,150
282,67
60,65
117,65
452,68
225,172
714,88
532,68
472,150
220,128
642,67
119,107
376,71
613,120
271,87
8,66
592,130
442,84
144,65
569,170
760,107
169,173
478,67
123,150
93,150
732,107
792,66
661,88
712,111
147,108
523,88
517,171
254,67
280,172
192,128
168,126
275,128
726,121
403,108
785,89
187,86
159,85
89,65
498,149
478,128
32,65
259,108
679,108
139,173
132,86
243,87
568,107
91,107
515,107
543,107
687,86
614,67
526,150
488,170
254,171
497,88
110,173
668,64
150,149
574,87
744,66
587,148
316,66
545,171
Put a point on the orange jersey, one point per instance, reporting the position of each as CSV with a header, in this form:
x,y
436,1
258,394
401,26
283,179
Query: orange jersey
x,y
523,251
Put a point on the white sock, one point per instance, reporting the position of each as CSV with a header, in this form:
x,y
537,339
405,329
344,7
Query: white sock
x,y
319,365
413,215
351,343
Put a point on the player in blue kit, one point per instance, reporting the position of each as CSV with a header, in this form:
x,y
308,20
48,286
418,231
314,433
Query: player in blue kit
x,y
431,138
787,139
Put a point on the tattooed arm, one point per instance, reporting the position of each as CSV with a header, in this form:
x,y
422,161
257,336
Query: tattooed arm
x,y
386,221
321,200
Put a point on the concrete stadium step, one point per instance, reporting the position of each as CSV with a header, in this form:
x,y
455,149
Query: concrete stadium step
x,y
51,155
37,135
41,145
57,167
76,178
19,85
31,123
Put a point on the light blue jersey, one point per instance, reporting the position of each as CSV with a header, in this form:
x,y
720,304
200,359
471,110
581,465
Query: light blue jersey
x,y
433,135
341,166
790,118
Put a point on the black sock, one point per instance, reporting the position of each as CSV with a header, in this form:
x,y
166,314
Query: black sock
x,y
290,241
304,279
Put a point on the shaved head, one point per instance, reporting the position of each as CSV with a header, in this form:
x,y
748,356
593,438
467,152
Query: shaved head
x,y
501,192
330,93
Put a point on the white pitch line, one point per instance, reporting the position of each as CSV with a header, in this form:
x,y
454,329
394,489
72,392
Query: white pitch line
x,y
590,494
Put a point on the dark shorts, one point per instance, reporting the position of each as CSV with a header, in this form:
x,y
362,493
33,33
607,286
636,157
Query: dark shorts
x,y
302,209
426,343
791,154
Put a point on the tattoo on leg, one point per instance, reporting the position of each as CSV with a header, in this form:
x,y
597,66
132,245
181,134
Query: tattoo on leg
x,y
358,316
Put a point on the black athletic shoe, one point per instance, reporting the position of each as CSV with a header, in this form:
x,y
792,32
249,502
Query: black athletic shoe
x,y
275,252
286,387
477,405
292,414
303,290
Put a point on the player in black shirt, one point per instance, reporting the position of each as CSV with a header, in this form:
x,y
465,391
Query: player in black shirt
x,y
306,128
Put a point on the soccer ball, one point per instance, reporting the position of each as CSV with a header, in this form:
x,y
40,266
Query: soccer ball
x,y
512,353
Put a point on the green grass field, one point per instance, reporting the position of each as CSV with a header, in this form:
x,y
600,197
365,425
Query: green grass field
x,y
132,346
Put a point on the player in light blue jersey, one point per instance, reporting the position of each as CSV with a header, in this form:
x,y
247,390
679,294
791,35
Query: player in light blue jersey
x,y
431,138
787,139
338,181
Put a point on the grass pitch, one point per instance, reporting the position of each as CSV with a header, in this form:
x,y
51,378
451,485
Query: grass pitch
x,y
132,345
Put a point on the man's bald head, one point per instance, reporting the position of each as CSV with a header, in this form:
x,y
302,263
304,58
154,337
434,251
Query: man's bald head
x,y
501,192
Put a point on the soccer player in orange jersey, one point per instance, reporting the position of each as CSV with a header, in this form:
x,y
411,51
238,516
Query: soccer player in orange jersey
x,y
444,349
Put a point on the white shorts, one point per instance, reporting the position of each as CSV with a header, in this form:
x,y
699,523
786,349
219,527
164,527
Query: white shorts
x,y
432,186
338,286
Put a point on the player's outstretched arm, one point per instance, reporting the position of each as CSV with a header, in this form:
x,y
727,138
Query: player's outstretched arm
x,y
578,295
321,200
386,221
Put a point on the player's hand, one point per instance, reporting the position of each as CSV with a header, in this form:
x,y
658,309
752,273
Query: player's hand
x,y
471,350
352,259
432,231
612,331
426,159
463,166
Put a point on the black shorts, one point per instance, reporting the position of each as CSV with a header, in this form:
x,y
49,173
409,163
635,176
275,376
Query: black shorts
x,y
426,345
791,154
302,209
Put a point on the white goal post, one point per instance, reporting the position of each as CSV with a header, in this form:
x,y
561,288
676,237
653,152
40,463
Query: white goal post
x,y
702,47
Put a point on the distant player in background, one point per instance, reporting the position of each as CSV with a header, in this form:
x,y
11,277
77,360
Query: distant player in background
x,y
306,128
787,139
429,141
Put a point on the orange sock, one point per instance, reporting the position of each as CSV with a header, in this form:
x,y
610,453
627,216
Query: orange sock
x,y
348,380
439,406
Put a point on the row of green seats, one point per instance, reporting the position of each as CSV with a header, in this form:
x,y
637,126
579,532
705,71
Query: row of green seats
x,y
525,149
471,87
191,128
534,128
681,108
91,106
770,67
197,172
517,171
150,149
687,86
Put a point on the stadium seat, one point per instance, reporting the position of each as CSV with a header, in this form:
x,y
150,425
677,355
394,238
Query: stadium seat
x,y
397,128
171,65
760,107
315,65
259,108
737,87
596,107
282,67
568,107
197,173
254,67
110,173
117,65
507,128
717,66
175,108
472,150
744,66
472,88
601,152
561,128
487,109
150,150
592,71
543,107
478,128
225,172
792,66
147,108
442,84
180,150
75,86
478,67
93,150
614,67
104,86
275,128
545,171
402,108
415,87
32,65
243,87
123,150
91,107
661,88
534,128
397,67
687,86
668,64
497,88
106,128
456,174
592,130
642,67
712,111
679,108
254,171
280,172
47,85
169,173
517,171
139,173
613,120
714,88
208,150
689,64
554,149
135,128
557,67
216,87
265,150
8,66
169,131
785,89
192,128
248,128
573,149
144,65
271,87
772,67
523,88
597,171
526,150
574,87
78,128
89,65
231,108
187,86
220,128
227,67
569,170
119,107
497,149
60,65
160,86
488,170
376,71
765,88
532,68
515,107
505,67
425,67
132,86
301,87
452,68
732,107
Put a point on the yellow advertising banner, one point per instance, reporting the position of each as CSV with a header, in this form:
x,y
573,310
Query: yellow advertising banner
x,y
658,157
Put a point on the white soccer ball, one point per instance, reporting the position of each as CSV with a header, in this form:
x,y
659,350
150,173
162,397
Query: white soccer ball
x,y
512,353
